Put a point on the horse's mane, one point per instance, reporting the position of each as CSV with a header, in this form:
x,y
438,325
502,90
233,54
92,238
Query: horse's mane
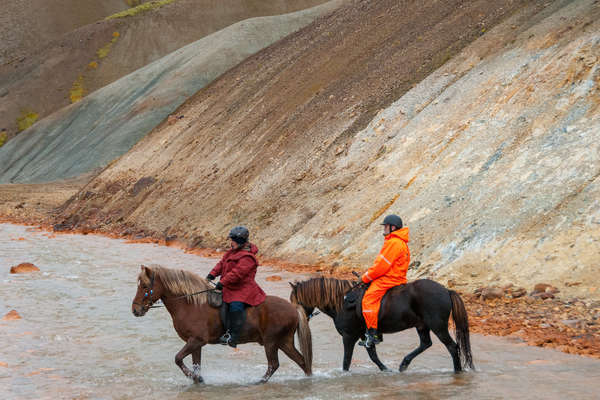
x,y
179,283
321,292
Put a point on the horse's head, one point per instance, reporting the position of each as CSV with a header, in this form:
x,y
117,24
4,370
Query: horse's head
x,y
149,290
294,299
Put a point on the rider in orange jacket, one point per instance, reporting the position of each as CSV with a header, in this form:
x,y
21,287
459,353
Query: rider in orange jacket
x,y
388,270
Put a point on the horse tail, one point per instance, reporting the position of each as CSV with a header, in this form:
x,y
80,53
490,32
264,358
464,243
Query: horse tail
x,y
461,326
305,339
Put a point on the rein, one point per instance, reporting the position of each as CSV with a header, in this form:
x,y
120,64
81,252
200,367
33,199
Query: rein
x,y
149,293
186,295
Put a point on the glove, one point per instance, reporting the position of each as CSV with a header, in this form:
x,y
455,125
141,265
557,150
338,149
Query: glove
x,y
210,277
219,286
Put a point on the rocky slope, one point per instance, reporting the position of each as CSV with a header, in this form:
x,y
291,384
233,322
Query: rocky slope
x,y
74,60
492,160
86,136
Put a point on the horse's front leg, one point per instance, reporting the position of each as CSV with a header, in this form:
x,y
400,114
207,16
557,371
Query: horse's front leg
x,y
373,356
192,345
197,360
425,343
349,342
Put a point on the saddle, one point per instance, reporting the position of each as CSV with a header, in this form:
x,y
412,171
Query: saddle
x,y
215,298
353,299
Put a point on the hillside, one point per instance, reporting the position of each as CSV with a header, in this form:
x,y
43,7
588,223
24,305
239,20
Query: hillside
x,y
29,25
84,137
75,60
492,159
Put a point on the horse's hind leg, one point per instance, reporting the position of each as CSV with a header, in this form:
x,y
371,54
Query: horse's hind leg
x,y
290,350
425,338
451,345
272,360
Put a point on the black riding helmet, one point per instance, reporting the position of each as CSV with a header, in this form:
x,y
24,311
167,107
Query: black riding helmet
x,y
394,220
239,234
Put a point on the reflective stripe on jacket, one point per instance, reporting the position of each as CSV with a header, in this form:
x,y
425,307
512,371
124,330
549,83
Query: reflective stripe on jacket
x,y
392,262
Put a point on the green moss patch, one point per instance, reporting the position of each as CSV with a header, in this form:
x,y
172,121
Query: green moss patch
x,y
104,50
77,90
26,119
3,138
151,5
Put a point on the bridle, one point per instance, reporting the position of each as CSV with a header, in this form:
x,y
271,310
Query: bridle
x,y
148,295
149,291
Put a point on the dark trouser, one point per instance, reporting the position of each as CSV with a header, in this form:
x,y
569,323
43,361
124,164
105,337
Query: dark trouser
x,y
237,306
236,317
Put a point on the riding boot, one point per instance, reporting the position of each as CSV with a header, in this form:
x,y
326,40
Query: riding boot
x,y
224,338
237,319
372,338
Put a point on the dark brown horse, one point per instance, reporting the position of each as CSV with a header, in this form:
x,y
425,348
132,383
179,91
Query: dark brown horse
x,y
184,294
423,304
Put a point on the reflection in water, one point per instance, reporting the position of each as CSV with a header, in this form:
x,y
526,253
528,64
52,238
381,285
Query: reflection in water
x,y
78,338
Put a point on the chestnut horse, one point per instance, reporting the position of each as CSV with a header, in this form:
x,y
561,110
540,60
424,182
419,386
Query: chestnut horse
x,y
423,304
272,324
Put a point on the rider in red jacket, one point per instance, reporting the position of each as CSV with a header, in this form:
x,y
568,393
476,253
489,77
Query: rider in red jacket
x,y
237,269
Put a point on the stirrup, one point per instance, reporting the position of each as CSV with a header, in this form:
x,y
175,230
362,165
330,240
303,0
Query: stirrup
x,y
370,341
225,338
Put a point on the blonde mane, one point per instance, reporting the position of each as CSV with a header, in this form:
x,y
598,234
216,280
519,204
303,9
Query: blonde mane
x,y
179,283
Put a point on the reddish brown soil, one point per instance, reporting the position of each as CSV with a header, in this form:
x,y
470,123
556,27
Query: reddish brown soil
x,y
539,322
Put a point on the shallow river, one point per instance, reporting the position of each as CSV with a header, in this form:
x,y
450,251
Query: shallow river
x,y
78,339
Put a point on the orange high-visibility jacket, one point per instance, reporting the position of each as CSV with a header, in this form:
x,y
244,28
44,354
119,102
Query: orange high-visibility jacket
x,y
392,262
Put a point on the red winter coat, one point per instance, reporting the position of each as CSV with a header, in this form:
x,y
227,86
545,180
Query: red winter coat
x,y
238,269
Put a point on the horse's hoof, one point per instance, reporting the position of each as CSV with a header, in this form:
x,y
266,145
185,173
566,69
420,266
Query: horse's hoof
x,y
403,367
198,380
